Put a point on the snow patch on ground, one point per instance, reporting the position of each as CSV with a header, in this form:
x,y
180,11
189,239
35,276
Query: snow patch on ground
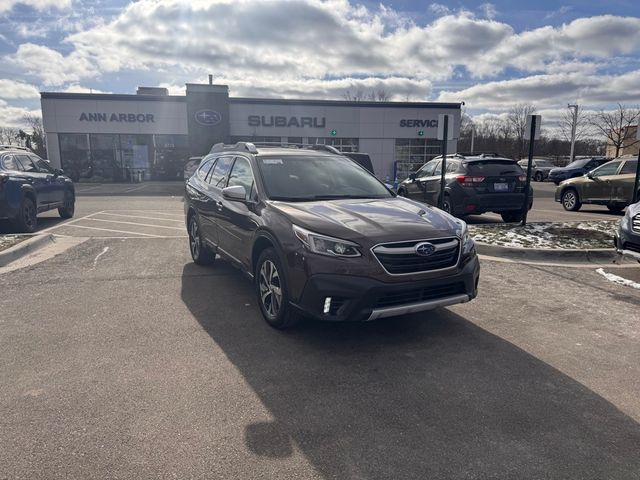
x,y
8,241
619,280
579,235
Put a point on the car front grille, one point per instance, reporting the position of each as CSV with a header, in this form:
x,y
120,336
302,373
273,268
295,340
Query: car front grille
x,y
635,223
419,295
401,258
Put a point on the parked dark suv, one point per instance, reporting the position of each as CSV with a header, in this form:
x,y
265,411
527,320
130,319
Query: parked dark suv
x,y
322,237
474,185
577,168
28,186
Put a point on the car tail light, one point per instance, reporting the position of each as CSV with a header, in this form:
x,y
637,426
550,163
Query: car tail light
x,y
471,207
467,181
522,178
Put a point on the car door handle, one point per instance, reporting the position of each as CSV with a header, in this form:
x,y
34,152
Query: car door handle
x,y
219,205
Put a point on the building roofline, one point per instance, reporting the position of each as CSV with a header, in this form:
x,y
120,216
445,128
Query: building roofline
x,y
242,100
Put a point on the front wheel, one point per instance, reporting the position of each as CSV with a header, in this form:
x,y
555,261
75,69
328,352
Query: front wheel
x,y
69,206
27,219
200,253
512,217
538,177
615,208
272,291
570,200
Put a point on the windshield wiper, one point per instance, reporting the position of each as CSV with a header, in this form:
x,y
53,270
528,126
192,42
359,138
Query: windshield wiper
x,y
339,196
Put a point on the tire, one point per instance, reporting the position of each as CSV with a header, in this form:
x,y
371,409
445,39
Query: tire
x,y
446,204
402,193
69,207
570,200
538,177
556,182
200,253
27,219
512,217
272,291
615,208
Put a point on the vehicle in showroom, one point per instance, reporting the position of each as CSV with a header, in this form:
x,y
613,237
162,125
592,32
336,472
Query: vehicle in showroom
x,y
610,185
577,168
474,185
29,186
322,237
540,168
627,237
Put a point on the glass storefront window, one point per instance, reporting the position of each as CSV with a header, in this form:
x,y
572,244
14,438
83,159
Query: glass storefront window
x,y
342,144
412,153
74,154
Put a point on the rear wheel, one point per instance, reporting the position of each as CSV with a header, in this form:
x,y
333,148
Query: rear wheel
x,y
570,200
446,204
538,177
27,219
200,253
69,206
272,291
512,217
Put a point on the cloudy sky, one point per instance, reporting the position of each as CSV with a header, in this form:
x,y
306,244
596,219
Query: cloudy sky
x,y
489,55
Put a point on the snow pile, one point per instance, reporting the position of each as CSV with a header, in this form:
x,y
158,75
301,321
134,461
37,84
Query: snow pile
x,y
619,280
8,241
578,235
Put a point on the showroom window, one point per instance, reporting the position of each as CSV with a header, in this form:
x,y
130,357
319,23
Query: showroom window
x,y
412,153
342,144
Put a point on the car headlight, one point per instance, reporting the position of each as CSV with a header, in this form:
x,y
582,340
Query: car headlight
x,y
462,232
324,245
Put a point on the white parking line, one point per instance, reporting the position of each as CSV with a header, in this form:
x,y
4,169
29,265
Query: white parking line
x,y
66,223
83,190
147,218
116,231
135,188
178,213
134,223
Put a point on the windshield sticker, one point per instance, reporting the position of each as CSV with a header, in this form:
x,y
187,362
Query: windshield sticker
x,y
272,161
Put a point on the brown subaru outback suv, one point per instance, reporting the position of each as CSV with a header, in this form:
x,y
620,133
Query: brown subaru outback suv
x,y
322,237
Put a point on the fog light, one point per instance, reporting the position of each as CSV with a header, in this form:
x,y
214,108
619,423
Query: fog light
x,y
327,305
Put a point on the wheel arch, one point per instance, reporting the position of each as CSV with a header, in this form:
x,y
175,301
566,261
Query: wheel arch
x,y
263,240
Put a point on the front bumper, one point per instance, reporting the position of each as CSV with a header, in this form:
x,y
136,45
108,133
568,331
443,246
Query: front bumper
x,y
627,241
491,202
355,298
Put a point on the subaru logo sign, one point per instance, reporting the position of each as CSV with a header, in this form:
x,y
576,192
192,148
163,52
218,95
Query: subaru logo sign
x,y
208,118
425,249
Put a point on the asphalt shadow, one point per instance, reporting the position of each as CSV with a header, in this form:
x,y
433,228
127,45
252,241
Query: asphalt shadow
x,y
421,396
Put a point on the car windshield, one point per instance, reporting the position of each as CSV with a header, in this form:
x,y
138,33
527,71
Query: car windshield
x,y
322,177
578,163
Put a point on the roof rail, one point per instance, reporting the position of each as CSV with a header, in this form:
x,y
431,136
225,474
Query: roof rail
x,y
482,154
221,147
13,147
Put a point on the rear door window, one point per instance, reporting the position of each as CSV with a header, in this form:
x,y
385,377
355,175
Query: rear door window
x,y
10,163
203,171
629,167
492,168
218,175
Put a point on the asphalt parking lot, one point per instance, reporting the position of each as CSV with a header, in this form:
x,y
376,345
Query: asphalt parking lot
x,y
120,358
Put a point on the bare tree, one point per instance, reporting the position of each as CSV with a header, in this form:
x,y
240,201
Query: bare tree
x,y
583,127
359,95
9,136
517,120
614,126
37,138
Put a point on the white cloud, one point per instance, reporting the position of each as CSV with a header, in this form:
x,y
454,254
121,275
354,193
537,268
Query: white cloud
x,y
12,116
439,9
6,5
76,88
547,91
489,10
14,89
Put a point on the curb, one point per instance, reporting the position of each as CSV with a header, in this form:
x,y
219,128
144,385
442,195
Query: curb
x,y
566,255
23,248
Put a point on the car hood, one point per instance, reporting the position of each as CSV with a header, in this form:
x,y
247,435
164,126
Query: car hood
x,y
574,181
371,220
633,209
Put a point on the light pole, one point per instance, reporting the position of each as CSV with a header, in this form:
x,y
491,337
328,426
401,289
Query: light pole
x,y
574,124
473,135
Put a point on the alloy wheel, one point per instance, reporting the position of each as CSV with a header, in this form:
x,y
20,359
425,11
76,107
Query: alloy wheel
x,y
29,215
569,200
194,238
270,289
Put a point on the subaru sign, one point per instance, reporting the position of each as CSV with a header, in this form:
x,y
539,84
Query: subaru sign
x,y
208,118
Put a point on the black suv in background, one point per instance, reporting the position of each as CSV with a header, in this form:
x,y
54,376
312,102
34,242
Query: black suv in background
x,y
577,168
28,186
322,237
474,185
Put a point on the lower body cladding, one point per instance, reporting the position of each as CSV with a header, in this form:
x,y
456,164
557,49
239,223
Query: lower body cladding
x,y
340,298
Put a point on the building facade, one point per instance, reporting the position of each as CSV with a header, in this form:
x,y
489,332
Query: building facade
x,y
110,137
630,145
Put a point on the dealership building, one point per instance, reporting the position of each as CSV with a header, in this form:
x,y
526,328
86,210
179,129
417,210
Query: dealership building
x,y
113,137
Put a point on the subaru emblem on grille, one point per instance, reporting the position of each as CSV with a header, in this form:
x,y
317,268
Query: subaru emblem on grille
x,y
425,249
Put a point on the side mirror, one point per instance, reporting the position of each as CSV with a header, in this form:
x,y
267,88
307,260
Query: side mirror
x,y
236,193
412,176
590,176
58,172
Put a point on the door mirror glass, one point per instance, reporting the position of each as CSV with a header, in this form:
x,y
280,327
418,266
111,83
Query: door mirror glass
x,y
412,176
237,193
